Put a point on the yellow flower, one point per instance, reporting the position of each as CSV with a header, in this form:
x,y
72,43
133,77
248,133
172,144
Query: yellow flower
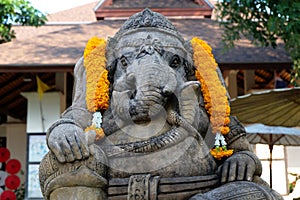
x,y
225,130
91,45
220,153
101,93
226,121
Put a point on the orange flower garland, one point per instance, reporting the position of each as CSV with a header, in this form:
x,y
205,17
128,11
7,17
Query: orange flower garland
x,y
215,99
95,63
220,153
96,91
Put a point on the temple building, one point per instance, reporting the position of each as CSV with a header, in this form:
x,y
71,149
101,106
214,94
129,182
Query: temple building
x,y
48,54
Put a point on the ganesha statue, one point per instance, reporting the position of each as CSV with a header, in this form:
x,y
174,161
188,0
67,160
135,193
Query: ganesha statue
x,y
150,119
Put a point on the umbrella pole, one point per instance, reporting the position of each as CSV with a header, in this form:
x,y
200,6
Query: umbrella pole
x,y
270,164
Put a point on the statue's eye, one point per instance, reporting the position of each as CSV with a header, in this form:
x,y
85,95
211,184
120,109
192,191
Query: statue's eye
x,y
175,61
123,61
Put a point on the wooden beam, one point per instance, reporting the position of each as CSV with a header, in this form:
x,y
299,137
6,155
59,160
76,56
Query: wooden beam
x,y
38,68
265,66
126,12
70,67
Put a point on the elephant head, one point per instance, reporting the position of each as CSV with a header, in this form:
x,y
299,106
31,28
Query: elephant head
x,y
146,74
149,66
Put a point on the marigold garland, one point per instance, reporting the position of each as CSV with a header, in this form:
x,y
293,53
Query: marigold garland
x,y
91,45
215,99
97,97
95,63
219,153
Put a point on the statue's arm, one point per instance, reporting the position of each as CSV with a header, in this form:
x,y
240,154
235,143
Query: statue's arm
x,y
78,110
66,137
236,138
243,164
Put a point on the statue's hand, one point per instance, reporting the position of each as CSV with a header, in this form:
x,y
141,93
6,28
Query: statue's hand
x,y
69,142
241,166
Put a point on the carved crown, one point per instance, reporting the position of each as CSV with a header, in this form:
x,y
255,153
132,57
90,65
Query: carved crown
x,y
148,19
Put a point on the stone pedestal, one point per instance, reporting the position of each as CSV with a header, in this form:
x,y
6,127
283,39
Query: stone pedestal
x,y
85,179
71,193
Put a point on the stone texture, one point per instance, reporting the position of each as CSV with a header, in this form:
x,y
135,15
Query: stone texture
x,y
157,131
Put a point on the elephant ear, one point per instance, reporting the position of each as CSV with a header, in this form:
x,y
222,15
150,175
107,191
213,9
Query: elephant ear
x,y
110,51
79,88
188,62
111,68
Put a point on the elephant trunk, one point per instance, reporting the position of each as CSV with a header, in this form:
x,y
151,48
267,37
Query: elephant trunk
x,y
154,83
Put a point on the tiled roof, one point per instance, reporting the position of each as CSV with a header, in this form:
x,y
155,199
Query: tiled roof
x,y
175,8
155,4
59,21
27,32
66,45
84,13
244,51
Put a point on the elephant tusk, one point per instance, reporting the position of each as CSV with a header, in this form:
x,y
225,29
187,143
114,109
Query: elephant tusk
x,y
188,101
121,110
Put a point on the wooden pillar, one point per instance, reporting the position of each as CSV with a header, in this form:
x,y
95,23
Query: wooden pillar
x,y
249,80
232,83
61,85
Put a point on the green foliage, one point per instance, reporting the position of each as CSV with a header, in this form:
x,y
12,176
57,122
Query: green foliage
x,y
17,12
264,22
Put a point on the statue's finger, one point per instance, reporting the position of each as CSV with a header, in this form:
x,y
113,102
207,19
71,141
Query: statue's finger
x,y
92,149
75,147
249,172
232,171
224,172
241,172
66,149
90,138
83,145
55,148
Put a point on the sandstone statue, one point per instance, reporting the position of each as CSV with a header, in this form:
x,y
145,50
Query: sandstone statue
x,y
160,109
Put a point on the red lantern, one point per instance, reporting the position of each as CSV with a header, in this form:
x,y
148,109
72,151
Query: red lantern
x,y
13,166
12,182
4,154
8,195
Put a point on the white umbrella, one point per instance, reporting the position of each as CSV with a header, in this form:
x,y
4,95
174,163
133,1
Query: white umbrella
x,y
272,135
